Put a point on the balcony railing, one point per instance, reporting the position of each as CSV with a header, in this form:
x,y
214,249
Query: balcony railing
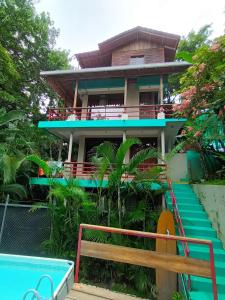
x,y
111,112
87,170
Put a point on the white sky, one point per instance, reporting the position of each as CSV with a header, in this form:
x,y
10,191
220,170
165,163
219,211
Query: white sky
x,y
85,23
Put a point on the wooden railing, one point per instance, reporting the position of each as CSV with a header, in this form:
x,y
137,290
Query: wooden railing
x,y
147,258
115,112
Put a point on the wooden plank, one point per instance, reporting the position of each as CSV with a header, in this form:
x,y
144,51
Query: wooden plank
x,y
150,259
166,281
85,292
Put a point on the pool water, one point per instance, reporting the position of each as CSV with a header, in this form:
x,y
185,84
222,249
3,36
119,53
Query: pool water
x,y
20,273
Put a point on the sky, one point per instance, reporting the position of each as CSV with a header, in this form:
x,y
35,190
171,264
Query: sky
x,y
85,23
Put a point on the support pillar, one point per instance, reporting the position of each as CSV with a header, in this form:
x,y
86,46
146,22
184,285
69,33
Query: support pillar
x,y
125,93
84,107
127,156
163,143
80,155
161,89
75,95
70,148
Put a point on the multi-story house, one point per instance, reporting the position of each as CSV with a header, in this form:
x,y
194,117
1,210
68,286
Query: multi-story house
x,y
119,91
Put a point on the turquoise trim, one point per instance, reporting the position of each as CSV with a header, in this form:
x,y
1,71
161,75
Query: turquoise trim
x,y
108,123
88,183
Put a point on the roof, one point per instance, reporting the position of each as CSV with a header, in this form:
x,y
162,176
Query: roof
x,y
102,56
63,81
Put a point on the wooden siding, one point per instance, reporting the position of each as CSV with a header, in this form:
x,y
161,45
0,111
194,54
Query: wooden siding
x,y
152,55
152,52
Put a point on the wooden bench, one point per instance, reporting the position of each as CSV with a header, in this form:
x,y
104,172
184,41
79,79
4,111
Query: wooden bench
x,y
139,257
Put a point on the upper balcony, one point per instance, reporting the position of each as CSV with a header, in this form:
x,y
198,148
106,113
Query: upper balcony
x,y
114,112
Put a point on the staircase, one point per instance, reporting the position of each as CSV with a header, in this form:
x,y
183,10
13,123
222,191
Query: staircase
x,y
197,225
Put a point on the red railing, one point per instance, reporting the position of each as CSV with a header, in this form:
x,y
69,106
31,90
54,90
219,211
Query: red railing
x,y
88,170
180,227
147,235
115,112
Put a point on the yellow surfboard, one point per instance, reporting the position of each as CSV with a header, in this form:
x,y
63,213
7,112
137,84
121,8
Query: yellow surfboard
x,y
166,281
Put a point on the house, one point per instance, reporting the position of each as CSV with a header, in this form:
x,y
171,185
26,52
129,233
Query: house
x,y
119,92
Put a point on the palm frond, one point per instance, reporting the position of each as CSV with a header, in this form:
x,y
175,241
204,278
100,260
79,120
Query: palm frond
x,y
14,189
140,158
40,163
106,150
10,116
10,166
123,149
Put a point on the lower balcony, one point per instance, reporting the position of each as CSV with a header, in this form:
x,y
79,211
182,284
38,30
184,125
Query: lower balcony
x,y
84,173
115,112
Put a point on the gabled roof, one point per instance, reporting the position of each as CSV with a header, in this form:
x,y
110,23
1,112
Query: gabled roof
x,y
102,57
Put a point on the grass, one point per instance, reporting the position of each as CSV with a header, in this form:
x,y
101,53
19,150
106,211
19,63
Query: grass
x,y
214,182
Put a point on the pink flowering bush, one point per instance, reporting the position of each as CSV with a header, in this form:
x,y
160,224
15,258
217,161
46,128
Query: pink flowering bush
x,y
203,85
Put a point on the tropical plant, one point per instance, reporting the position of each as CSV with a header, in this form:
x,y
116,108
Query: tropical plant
x,y
109,163
67,205
27,41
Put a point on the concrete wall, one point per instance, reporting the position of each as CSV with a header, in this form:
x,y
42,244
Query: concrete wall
x,y
177,167
213,200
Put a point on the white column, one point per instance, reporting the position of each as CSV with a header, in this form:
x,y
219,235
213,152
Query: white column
x,y
127,156
161,89
70,148
125,93
84,107
163,143
75,95
80,155
60,151
81,148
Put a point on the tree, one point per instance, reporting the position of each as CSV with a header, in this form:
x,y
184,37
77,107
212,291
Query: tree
x,y
27,42
203,93
109,162
187,47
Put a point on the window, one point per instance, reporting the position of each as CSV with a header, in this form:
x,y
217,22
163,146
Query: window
x,y
137,60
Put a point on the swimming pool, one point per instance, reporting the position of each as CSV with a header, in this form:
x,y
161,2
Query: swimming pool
x,y
21,273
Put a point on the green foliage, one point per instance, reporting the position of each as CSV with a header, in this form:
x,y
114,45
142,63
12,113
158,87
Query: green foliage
x,y
110,162
187,47
26,47
177,296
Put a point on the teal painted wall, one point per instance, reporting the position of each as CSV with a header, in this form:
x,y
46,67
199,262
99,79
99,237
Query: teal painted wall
x,y
108,123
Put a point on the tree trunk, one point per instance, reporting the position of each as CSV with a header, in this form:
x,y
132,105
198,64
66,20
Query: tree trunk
x,y
119,206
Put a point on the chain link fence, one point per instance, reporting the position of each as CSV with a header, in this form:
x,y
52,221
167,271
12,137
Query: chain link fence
x,y
22,230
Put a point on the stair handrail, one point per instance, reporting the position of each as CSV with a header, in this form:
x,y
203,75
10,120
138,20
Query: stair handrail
x,y
180,228
178,218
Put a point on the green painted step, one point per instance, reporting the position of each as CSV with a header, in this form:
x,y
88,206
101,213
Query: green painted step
x,y
186,206
216,242
203,231
202,252
190,221
204,295
197,224
205,284
193,213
